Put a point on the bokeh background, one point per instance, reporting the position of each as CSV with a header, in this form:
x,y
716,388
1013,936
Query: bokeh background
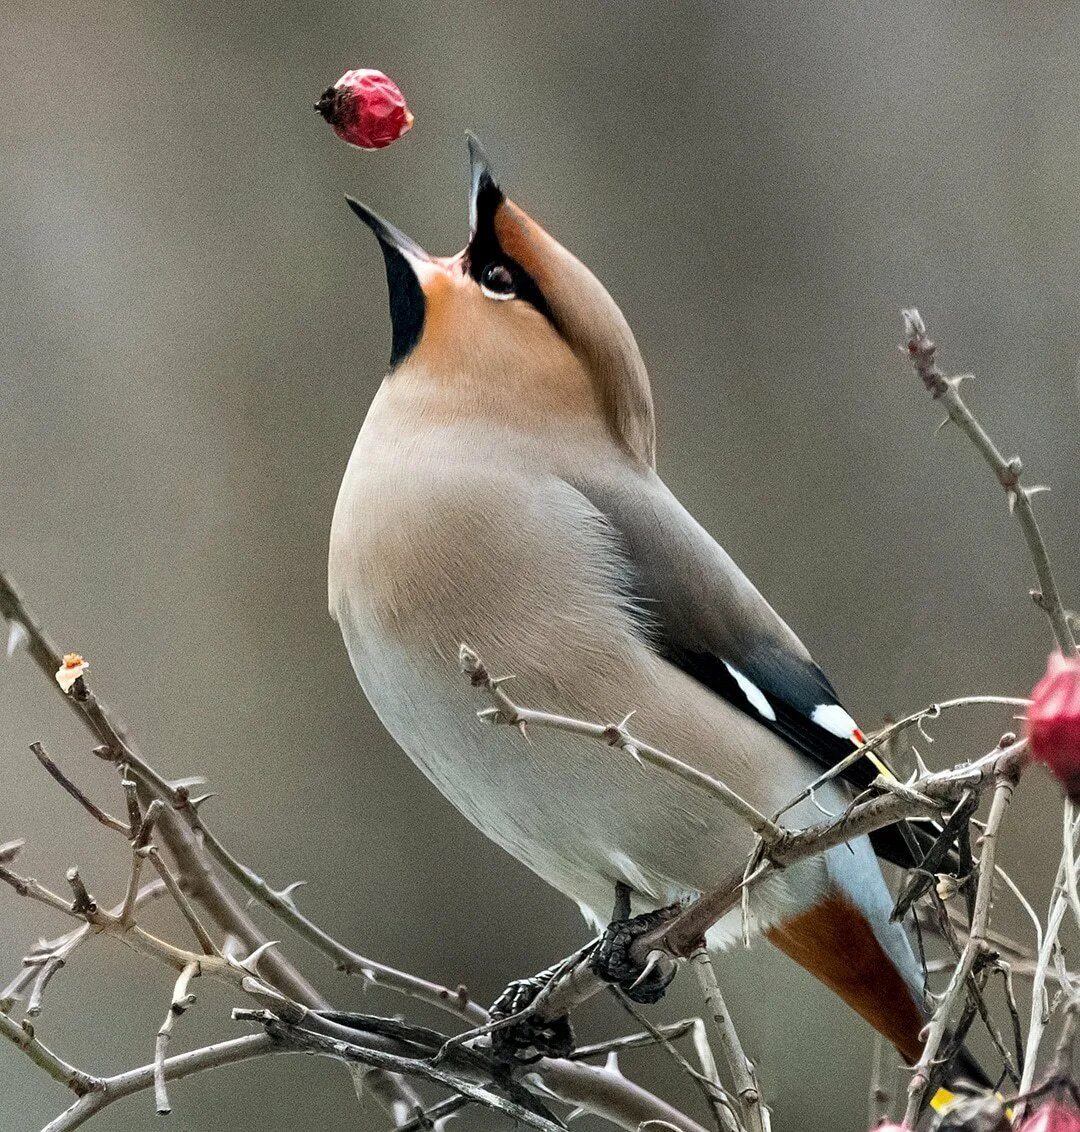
x,y
193,325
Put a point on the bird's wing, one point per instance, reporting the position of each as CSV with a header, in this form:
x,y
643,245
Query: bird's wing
x,y
699,611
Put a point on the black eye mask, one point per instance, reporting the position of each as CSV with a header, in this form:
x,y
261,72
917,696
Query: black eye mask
x,y
485,251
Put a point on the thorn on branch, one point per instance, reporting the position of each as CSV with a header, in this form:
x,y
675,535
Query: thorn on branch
x,y
17,637
251,963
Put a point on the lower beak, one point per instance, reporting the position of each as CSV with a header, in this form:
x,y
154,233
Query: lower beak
x,y
388,236
406,264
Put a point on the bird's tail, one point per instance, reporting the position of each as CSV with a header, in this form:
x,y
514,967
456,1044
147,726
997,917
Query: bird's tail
x,y
838,944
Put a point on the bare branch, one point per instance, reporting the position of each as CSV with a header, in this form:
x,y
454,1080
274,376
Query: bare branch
x,y
976,945
615,735
182,902
947,390
707,1079
174,1068
182,999
91,808
23,1036
747,1089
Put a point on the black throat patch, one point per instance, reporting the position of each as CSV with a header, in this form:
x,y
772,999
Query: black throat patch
x,y
407,304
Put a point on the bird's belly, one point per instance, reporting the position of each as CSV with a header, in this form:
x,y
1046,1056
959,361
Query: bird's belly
x,y
579,813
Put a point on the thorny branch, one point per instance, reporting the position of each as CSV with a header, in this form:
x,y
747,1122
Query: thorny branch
x,y
947,390
173,814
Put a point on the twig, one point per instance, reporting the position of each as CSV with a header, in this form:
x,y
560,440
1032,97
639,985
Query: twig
x,y
747,1090
1005,784
174,1068
23,1036
670,1032
303,1038
680,936
946,390
707,1079
434,1117
206,942
182,998
607,1094
181,841
345,958
879,1096
887,736
615,735
95,811
142,828
59,950
1059,905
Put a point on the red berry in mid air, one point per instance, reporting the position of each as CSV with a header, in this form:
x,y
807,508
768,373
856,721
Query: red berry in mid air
x,y
366,109
1053,723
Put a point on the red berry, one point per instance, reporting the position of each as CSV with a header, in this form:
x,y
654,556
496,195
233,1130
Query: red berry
x,y
1052,1117
1053,724
366,109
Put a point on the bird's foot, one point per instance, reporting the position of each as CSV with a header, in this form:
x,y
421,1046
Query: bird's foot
x,y
614,961
531,1037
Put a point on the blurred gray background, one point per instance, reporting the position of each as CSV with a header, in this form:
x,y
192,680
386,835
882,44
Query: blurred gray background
x,y
194,324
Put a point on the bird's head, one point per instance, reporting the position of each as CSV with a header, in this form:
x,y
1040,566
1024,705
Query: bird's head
x,y
513,322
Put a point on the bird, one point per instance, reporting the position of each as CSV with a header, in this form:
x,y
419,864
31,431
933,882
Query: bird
x,y
503,492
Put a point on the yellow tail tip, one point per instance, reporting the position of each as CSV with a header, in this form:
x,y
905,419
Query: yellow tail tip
x,y
942,1099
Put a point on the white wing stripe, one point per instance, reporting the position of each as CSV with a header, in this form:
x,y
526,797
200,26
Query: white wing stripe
x,y
753,693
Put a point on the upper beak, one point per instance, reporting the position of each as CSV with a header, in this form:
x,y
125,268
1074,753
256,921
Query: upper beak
x,y
484,194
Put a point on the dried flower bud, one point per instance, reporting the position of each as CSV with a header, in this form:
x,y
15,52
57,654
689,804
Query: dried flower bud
x,y
1052,1117
1053,723
70,671
946,886
366,109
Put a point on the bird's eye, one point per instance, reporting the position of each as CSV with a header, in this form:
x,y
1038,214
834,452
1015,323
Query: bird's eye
x,y
497,282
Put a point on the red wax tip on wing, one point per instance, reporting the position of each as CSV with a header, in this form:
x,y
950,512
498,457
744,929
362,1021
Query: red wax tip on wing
x,y
366,108
1053,721
858,736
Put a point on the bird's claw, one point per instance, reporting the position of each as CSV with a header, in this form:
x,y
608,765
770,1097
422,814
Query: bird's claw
x,y
614,961
530,1038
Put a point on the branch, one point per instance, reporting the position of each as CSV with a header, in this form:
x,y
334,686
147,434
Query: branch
x,y
614,734
181,1000
174,1069
190,858
947,390
707,1079
48,957
80,1083
195,849
192,846
932,794
747,1088
1005,784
